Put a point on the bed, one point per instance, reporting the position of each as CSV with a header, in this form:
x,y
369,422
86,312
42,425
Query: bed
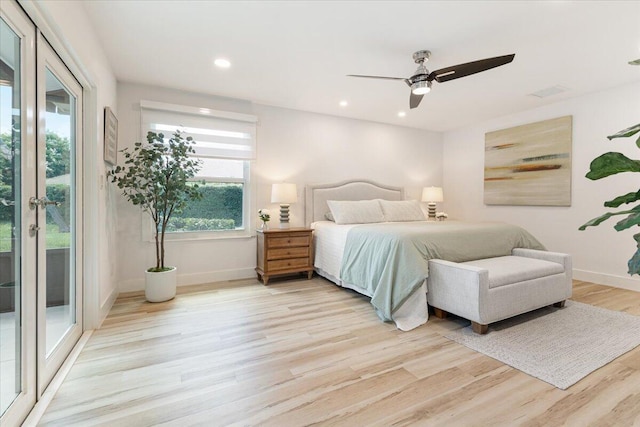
x,y
388,260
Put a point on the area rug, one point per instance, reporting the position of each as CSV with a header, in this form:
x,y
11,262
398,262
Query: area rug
x,y
558,346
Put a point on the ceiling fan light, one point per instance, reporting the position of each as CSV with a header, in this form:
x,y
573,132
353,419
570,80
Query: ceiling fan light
x,y
420,88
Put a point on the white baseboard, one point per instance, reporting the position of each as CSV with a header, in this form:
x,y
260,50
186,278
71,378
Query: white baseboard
x,y
105,307
194,278
627,282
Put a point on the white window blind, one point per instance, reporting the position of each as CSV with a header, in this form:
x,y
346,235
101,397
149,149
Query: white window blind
x,y
217,134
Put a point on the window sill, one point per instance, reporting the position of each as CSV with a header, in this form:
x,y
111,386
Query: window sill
x,y
202,236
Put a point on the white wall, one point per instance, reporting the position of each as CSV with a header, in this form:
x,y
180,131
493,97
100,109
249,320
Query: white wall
x,y
66,25
293,146
600,254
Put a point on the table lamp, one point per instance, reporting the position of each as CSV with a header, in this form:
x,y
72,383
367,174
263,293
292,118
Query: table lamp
x,y
431,195
284,194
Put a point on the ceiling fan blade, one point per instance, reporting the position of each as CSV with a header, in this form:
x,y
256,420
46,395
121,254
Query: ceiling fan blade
x,y
414,100
462,70
376,77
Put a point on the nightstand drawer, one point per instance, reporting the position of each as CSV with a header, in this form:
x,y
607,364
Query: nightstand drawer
x,y
286,242
286,264
300,252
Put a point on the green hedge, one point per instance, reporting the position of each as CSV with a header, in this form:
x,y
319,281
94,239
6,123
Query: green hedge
x,y
199,224
218,201
6,212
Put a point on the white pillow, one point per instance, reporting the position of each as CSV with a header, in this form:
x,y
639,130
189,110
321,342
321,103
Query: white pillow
x,y
405,210
356,212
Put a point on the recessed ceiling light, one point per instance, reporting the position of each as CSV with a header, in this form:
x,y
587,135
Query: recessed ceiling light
x,y
343,103
222,63
401,114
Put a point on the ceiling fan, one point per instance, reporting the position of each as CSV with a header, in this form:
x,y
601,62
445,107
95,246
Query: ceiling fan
x,y
420,81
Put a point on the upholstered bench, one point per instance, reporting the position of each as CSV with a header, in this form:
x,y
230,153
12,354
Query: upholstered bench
x,y
488,290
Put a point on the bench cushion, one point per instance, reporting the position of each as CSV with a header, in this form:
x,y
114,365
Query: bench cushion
x,y
506,270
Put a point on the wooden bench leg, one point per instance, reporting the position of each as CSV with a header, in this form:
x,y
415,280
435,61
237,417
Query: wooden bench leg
x,y
559,304
440,314
478,328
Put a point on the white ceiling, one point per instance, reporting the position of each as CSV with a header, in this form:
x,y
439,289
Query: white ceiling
x,y
295,54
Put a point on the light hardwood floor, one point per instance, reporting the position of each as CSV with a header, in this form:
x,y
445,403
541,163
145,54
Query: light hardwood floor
x,y
301,352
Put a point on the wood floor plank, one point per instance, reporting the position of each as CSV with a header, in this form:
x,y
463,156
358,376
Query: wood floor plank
x,y
305,352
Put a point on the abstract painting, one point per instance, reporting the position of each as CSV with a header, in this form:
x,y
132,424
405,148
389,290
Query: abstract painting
x,y
529,164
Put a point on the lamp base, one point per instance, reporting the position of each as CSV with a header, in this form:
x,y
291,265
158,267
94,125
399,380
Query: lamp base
x,y
284,216
432,210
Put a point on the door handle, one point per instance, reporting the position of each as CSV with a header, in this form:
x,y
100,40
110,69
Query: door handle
x,y
33,230
43,202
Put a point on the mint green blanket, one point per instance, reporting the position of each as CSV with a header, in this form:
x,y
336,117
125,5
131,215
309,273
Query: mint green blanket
x,y
390,260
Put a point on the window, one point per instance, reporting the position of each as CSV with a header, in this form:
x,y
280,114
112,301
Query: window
x,y
225,145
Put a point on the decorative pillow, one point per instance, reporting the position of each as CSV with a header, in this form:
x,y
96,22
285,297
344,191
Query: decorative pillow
x,y
329,216
356,212
405,210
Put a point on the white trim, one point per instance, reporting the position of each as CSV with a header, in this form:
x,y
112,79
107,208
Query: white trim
x,y
163,106
607,279
41,406
134,285
105,308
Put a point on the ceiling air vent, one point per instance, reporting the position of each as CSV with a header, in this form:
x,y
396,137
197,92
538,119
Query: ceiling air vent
x,y
550,91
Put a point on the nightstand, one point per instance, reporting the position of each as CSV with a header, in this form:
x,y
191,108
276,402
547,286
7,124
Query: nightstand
x,y
284,251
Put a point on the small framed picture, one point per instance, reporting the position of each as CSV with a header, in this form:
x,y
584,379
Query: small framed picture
x,y
110,137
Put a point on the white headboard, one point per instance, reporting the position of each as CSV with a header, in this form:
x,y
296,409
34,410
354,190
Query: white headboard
x,y
317,195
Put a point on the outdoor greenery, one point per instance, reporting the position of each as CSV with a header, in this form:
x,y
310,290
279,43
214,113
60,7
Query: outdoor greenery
x,y
57,155
609,164
155,177
58,163
221,204
57,192
199,224
55,238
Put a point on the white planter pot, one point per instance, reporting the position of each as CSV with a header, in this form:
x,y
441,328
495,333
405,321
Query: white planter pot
x,y
161,286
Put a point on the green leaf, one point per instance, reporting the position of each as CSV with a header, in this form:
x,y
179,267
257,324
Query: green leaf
x,y
610,164
627,198
630,221
630,131
596,221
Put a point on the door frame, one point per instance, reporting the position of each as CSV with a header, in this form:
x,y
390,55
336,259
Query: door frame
x,y
25,29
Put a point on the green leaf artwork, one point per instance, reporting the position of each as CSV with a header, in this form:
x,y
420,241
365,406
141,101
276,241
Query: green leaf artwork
x,y
156,177
609,164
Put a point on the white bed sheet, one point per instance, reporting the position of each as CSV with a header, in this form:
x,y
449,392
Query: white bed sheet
x,y
329,240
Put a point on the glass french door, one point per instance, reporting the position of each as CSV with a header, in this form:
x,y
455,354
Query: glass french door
x,y
59,218
40,215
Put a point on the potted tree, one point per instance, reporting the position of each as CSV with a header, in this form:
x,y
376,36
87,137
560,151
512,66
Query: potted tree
x,y
609,164
155,177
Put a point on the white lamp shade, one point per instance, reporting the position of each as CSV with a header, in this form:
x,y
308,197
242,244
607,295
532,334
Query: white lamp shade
x,y
284,193
432,194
